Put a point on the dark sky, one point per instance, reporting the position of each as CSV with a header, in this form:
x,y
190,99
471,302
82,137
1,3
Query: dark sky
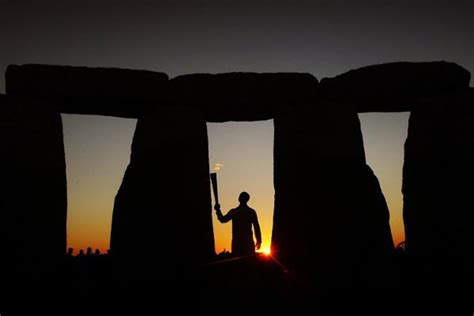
x,y
324,38
321,37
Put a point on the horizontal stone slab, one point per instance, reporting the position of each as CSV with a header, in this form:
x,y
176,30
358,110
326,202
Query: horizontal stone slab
x,y
84,90
394,87
239,96
133,93
242,96
460,102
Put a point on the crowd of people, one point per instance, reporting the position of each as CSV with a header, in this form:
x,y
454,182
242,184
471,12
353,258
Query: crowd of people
x,y
88,252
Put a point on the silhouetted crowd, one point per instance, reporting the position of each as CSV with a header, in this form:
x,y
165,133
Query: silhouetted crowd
x,y
88,253
86,269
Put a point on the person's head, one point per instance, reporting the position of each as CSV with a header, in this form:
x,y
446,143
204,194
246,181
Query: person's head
x,y
244,197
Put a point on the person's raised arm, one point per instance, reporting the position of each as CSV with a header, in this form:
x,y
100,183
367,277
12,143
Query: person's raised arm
x,y
222,218
258,233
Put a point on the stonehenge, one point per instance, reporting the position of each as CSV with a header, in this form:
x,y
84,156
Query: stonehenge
x,y
164,202
83,90
33,199
242,96
394,87
437,188
334,208
330,220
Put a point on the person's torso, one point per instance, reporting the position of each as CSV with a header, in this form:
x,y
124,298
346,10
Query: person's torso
x,y
242,220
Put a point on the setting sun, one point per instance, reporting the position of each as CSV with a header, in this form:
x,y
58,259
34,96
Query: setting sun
x,y
266,251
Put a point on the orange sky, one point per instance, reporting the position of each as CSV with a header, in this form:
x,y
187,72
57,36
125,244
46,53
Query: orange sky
x,y
97,157
324,38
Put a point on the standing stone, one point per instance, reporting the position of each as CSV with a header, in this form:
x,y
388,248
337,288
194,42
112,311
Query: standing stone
x,y
162,215
33,193
331,219
437,188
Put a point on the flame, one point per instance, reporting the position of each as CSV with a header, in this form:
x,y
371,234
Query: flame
x,y
218,167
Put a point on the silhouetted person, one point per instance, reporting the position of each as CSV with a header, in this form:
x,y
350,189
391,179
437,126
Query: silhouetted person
x,y
243,217
97,252
70,252
89,251
81,253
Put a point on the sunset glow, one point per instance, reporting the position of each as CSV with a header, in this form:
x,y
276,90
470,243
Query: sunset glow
x,y
246,149
323,38
153,151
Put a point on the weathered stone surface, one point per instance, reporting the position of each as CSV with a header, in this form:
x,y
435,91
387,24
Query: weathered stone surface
x,y
331,219
437,186
133,93
83,90
390,87
33,198
162,215
242,96
394,87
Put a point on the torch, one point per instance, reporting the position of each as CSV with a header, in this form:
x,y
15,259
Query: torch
x,y
214,187
217,167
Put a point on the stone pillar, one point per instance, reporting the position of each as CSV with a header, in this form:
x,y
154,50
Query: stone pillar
x,y
162,215
33,193
331,219
437,188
